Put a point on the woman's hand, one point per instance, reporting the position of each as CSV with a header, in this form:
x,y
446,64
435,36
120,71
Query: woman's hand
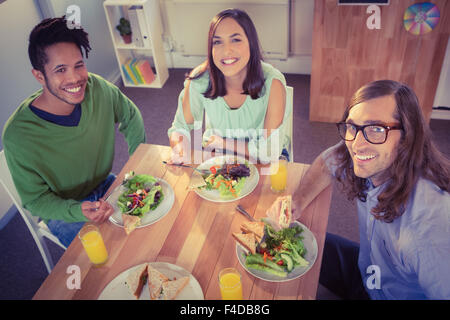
x,y
179,144
176,156
214,143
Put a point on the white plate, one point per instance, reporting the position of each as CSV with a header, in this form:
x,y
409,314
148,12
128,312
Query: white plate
x,y
311,255
214,195
118,289
150,217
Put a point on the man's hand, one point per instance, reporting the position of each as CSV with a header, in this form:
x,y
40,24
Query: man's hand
x,y
97,211
295,208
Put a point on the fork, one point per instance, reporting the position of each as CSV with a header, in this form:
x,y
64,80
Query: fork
x,y
187,166
245,213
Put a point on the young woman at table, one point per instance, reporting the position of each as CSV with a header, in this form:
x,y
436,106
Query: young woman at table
x,y
240,94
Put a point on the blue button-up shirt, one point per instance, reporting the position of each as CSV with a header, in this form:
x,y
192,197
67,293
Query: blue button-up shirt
x,y
408,258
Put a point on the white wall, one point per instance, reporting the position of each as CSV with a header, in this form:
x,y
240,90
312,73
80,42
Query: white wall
x,y
190,13
270,17
302,20
17,18
442,92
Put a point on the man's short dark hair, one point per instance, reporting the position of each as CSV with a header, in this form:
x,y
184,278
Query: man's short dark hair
x,y
51,31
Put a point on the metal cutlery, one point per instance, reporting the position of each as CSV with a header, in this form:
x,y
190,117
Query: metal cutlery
x,y
245,213
205,171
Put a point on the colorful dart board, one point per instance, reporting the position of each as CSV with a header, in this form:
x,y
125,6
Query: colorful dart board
x,y
421,18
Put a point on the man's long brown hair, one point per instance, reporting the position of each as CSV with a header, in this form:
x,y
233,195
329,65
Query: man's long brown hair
x,y
417,155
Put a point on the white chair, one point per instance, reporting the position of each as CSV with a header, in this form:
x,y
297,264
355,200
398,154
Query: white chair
x,y
39,230
290,122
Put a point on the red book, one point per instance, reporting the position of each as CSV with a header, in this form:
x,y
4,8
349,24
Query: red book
x,y
146,71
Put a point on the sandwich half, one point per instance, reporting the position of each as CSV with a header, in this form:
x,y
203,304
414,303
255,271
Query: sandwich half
x,y
280,213
171,289
247,240
130,222
136,280
285,217
256,227
155,282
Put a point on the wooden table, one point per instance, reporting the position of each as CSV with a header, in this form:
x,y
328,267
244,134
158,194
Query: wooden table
x,y
195,234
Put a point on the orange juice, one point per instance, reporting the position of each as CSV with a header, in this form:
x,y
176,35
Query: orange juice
x,y
93,244
230,284
278,176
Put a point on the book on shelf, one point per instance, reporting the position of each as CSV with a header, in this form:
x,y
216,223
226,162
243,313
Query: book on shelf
x,y
145,70
130,72
135,71
127,76
138,71
139,26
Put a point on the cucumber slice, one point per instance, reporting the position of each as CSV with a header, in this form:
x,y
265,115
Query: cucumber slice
x,y
258,266
288,260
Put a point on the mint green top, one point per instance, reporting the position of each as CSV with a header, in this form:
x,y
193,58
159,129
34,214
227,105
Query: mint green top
x,y
53,167
245,122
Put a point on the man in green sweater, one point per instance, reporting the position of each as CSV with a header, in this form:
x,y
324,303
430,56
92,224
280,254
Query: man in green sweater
x,y
59,143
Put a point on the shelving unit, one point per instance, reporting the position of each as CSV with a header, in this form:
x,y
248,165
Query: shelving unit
x,y
153,52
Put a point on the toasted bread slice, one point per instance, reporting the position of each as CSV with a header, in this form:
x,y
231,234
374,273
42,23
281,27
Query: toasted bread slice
x,y
171,289
136,280
130,222
256,227
247,240
155,282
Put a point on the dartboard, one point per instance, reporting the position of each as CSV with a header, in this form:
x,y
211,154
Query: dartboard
x,y
421,18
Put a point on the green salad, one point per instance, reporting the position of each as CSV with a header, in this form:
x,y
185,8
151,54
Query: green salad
x,y
228,179
144,193
279,252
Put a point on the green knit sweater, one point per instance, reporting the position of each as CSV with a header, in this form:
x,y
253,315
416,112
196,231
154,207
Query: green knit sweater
x,y
54,166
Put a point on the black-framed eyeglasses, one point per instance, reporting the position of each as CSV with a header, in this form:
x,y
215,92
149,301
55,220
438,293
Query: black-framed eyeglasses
x,y
373,133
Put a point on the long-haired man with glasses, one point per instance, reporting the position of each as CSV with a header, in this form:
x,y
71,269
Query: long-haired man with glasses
x,y
388,162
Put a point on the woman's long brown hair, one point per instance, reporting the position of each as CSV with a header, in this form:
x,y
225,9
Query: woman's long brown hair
x,y
417,154
254,80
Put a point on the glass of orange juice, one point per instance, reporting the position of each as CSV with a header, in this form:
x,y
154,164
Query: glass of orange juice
x,y
278,174
93,244
230,284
